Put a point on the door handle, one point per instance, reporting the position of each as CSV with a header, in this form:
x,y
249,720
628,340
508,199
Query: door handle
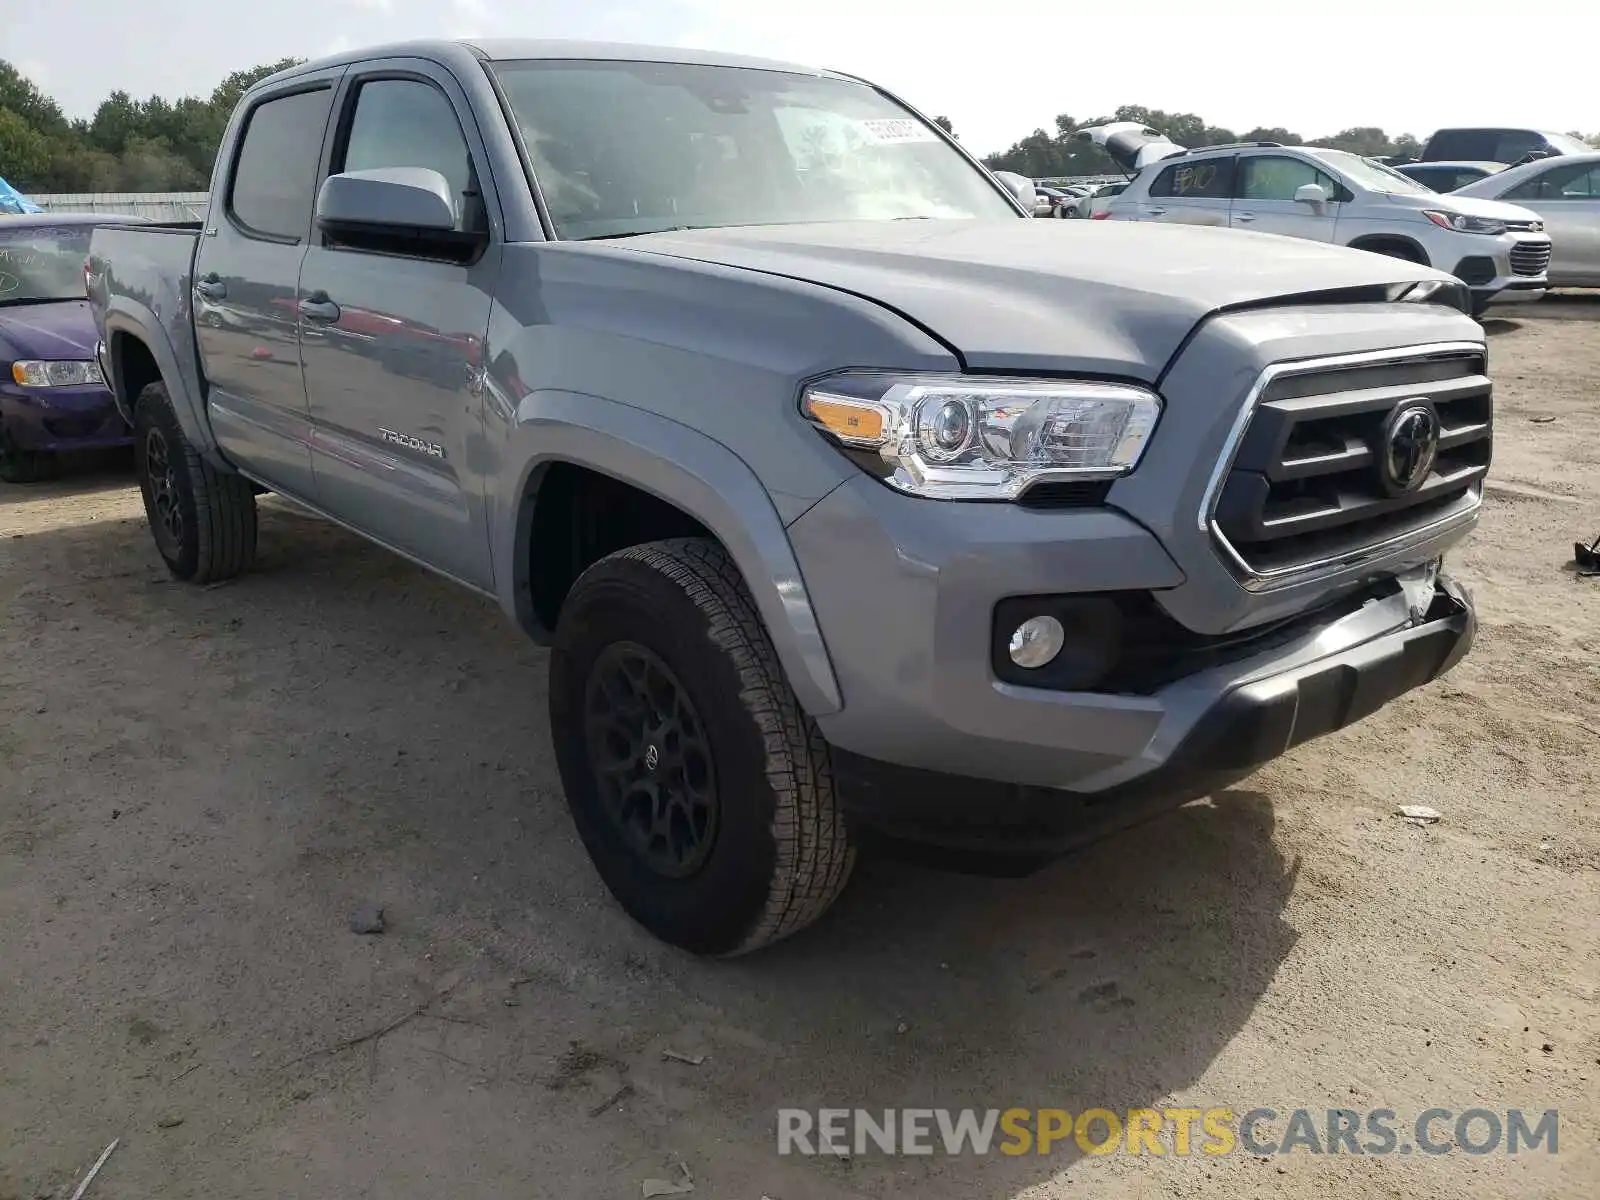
x,y
1244,216
211,287
317,307
1155,212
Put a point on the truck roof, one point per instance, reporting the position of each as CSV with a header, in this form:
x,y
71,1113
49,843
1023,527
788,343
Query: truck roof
x,y
521,49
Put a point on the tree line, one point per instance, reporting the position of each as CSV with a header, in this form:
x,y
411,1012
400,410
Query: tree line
x,y
1046,155
160,145
153,145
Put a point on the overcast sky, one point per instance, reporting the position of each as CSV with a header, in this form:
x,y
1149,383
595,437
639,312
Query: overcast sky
x,y
997,68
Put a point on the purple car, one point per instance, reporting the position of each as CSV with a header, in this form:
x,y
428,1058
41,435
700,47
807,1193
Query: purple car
x,y
52,398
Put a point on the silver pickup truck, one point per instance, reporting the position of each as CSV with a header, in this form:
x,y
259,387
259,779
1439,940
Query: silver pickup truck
x,y
850,499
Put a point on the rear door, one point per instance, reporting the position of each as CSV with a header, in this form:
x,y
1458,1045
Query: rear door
x,y
244,286
393,343
1191,192
1567,196
1265,201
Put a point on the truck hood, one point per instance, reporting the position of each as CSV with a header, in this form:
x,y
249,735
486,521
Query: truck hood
x,y
1111,298
62,329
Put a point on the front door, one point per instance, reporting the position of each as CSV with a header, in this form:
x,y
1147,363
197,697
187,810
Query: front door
x,y
1265,198
393,344
246,270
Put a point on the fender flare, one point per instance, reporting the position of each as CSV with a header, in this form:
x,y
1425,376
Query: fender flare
x,y
689,470
132,319
1364,243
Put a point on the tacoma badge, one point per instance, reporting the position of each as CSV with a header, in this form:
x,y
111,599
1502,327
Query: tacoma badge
x,y
431,449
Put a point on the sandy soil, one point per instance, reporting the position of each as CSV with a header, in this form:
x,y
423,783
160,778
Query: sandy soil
x,y
197,786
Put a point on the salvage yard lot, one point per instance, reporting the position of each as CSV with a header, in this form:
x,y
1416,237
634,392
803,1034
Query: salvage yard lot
x,y
198,786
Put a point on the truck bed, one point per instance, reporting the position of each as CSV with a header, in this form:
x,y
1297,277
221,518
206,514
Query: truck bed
x,y
140,280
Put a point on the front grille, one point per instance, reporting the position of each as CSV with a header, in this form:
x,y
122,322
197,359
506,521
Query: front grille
x,y
1530,258
1312,480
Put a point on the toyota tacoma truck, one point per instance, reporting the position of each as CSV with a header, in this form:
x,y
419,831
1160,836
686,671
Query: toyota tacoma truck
x,y
850,500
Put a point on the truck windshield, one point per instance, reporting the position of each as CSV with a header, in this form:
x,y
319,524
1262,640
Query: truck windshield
x,y
39,263
622,148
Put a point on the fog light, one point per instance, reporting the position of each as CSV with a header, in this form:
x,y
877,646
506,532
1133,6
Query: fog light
x,y
1036,641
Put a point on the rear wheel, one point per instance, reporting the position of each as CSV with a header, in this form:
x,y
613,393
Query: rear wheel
x,y
203,520
702,791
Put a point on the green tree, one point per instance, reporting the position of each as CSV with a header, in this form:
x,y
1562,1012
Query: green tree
x,y
1275,134
1365,140
944,124
156,144
24,151
226,96
28,102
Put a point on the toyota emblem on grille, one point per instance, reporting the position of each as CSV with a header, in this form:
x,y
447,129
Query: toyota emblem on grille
x,y
1410,444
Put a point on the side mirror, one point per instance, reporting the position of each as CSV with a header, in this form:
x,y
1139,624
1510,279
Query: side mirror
x,y
1021,187
395,209
1313,194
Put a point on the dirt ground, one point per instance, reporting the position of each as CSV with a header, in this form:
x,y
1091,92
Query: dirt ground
x,y
198,786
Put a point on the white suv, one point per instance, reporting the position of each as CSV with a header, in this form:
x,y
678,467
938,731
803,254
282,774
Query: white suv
x,y
1500,251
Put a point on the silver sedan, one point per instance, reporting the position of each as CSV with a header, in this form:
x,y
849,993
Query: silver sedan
x,y
1565,192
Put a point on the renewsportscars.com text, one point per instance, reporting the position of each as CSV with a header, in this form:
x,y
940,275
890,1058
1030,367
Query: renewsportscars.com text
x,y
1177,1131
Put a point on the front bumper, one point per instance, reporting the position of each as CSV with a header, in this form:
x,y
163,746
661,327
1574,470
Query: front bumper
x,y
1509,269
1239,725
62,419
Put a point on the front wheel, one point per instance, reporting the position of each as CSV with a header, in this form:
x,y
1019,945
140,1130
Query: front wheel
x,y
702,791
203,521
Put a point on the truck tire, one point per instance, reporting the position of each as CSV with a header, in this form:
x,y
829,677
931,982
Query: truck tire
x,y
203,520
702,791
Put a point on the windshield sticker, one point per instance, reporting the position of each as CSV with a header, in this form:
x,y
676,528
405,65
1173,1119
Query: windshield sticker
x,y
892,130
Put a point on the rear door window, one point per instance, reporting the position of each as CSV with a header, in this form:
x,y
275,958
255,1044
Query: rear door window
x,y
275,172
1208,179
1574,181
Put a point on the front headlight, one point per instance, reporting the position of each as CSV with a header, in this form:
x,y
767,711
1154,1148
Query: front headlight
x,y
1462,223
49,373
959,438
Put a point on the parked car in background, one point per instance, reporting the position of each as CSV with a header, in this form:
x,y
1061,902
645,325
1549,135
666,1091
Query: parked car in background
x,y
1498,145
864,504
52,396
1096,205
1498,250
1448,176
1565,193
1047,200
